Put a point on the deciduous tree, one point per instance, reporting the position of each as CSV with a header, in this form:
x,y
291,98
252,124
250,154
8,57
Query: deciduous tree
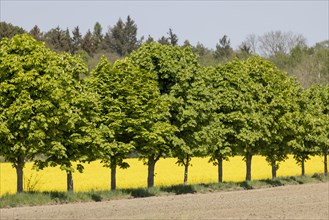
x,y
249,97
24,100
74,137
217,135
135,113
42,108
277,42
301,127
179,78
318,108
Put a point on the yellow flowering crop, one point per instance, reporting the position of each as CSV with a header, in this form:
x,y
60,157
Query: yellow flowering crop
x,y
167,172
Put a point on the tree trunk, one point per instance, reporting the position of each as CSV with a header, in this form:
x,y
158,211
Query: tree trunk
x,y
220,169
186,165
19,172
113,177
248,166
273,169
303,167
325,162
69,181
150,171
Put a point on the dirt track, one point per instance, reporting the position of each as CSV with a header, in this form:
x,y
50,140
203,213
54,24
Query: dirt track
x,y
310,201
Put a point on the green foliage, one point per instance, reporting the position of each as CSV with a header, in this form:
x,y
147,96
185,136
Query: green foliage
x,y
75,109
316,119
133,114
114,112
215,136
249,103
158,102
308,124
181,82
44,108
277,99
27,93
237,106
148,59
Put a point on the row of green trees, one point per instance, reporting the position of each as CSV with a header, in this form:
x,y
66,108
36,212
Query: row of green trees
x,y
157,102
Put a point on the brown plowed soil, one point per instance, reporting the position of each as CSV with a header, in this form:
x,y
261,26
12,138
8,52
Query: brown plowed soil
x,y
309,201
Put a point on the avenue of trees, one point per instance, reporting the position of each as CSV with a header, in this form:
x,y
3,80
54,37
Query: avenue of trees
x,y
157,100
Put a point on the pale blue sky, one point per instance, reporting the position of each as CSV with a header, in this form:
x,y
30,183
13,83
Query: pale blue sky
x,y
197,21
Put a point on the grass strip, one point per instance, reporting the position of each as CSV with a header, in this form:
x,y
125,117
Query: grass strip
x,y
49,198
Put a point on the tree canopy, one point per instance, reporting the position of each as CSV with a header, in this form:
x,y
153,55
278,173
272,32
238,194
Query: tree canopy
x,y
157,102
179,77
42,105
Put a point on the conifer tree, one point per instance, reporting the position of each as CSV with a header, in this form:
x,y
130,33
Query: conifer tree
x,y
97,35
8,30
173,39
58,39
36,33
223,50
76,39
88,43
122,37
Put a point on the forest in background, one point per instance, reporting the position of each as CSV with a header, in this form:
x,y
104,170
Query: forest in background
x,y
287,50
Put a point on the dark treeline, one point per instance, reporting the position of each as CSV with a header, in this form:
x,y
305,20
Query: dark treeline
x,y
158,100
288,51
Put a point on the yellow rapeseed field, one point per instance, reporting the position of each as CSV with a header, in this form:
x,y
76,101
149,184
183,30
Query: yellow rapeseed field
x,y
97,177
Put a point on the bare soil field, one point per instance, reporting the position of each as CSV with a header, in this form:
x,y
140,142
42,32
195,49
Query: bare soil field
x,y
309,201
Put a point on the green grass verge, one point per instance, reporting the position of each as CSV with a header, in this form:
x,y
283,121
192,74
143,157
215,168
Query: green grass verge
x,y
46,198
